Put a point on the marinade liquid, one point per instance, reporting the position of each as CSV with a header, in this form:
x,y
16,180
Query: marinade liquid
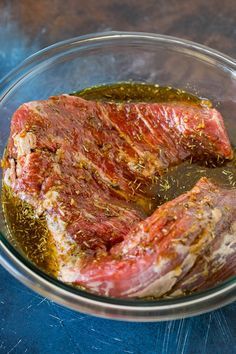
x,y
30,233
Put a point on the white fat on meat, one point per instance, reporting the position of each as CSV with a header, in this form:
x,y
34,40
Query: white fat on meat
x,y
166,282
67,249
217,215
10,174
216,259
226,249
50,199
24,142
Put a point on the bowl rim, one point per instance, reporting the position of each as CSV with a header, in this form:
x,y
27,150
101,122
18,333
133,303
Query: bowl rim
x,y
80,300
92,37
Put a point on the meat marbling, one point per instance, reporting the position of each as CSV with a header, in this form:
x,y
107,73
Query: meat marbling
x,y
167,247
81,163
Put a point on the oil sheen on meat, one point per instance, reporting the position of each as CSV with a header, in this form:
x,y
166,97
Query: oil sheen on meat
x,y
30,234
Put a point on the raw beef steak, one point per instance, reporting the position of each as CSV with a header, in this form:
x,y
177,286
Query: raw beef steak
x,y
87,166
187,241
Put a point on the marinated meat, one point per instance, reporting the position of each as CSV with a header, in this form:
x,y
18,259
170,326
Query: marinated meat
x,y
118,142
88,165
215,265
174,243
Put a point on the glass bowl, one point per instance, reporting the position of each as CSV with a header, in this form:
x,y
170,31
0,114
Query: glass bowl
x,y
109,58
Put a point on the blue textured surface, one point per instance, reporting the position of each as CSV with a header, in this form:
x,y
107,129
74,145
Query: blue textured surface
x,y
32,324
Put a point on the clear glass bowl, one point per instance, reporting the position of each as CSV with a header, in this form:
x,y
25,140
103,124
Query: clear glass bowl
x,y
108,58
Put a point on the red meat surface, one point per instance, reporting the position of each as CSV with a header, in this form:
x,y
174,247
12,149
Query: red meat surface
x,y
168,246
87,166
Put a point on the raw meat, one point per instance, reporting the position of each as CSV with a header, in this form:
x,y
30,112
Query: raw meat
x,y
120,142
87,166
170,245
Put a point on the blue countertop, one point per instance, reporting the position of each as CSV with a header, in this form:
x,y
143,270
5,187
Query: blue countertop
x,y
32,324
